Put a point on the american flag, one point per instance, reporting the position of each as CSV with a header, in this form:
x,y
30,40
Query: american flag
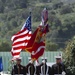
x,y
21,39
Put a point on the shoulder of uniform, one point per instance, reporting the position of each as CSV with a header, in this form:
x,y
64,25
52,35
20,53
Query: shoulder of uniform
x,y
54,65
22,66
63,64
48,65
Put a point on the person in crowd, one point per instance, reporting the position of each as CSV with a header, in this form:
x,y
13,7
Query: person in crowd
x,y
30,67
45,69
58,67
38,67
18,69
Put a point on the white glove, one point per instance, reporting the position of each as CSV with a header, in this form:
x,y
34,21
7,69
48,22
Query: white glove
x,y
63,73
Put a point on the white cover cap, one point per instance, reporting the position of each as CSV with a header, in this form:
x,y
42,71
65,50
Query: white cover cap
x,y
44,59
19,58
16,58
58,57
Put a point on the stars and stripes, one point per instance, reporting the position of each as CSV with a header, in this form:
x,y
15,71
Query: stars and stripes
x,y
21,39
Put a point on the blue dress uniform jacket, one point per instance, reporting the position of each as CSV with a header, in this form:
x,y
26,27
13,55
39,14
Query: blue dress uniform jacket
x,y
58,68
46,70
30,69
18,69
38,69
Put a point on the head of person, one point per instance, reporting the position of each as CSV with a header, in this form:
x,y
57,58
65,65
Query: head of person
x,y
30,60
58,59
44,60
18,61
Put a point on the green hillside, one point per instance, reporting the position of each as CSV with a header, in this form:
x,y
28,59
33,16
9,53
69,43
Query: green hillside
x,y
13,14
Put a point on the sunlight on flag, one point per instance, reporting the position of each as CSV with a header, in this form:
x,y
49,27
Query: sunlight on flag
x,y
21,39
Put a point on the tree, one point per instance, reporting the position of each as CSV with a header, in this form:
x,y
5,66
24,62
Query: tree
x,y
58,5
4,46
66,9
51,46
20,3
68,27
55,21
69,57
44,1
1,8
37,14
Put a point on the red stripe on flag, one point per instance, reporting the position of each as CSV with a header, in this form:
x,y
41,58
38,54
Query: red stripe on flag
x,y
24,42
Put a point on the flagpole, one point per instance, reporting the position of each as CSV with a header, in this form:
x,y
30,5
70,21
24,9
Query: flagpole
x,y
31,22
44,21
44,59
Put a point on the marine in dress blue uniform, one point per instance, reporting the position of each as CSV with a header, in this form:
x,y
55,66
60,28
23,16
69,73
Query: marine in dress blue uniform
x,y
58,68
45,69
18,69
30,67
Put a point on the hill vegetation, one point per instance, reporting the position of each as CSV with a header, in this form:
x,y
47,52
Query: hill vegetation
x,y
13,14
